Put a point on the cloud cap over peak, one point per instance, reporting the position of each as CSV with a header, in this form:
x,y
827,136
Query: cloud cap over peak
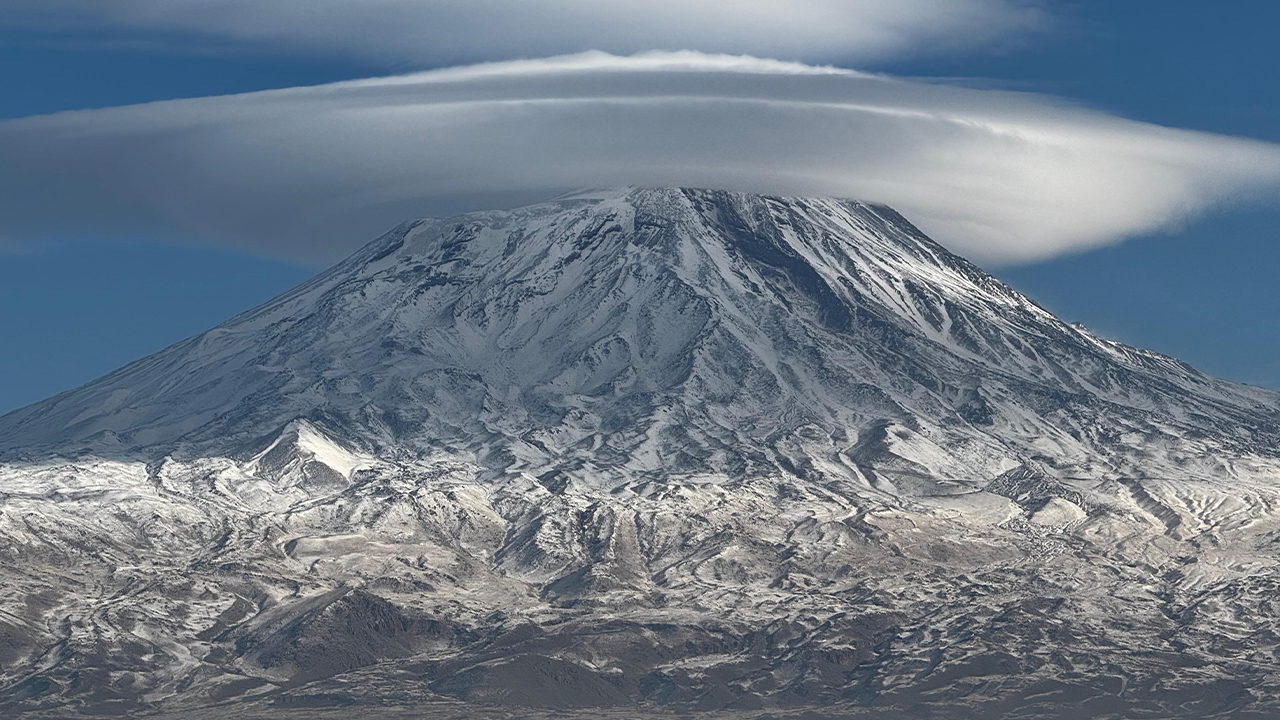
x,y
433,32
310,173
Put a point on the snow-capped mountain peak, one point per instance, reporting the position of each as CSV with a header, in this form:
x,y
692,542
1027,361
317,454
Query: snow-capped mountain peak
x,y
644,447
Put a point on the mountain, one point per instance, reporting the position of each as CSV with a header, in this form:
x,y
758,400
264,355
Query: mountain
x,y
645,451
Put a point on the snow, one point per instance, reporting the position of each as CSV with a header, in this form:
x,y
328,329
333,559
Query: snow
x,y
1059,512
723,417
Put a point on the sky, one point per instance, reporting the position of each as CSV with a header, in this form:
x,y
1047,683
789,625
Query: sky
x,y
1117,162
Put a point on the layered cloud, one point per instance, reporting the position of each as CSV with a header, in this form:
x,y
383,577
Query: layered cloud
x,y
432,32
310,173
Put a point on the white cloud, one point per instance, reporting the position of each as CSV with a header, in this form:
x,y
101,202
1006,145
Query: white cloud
x,y
433,32
311,173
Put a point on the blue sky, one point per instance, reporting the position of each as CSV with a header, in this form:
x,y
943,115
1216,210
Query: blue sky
x,y
76,306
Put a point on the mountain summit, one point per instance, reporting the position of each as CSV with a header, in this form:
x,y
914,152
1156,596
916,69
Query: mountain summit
x,y
668,331
646,448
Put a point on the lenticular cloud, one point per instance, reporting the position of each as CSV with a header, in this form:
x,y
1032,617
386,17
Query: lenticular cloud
x,y
311,172
435,32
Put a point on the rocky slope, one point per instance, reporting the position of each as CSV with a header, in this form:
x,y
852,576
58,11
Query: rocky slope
x,y
643,451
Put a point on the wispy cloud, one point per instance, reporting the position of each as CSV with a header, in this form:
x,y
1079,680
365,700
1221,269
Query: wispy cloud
x,y
433,32
311,172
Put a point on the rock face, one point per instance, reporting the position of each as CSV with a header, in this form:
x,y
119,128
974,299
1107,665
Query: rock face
x,y
645,451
